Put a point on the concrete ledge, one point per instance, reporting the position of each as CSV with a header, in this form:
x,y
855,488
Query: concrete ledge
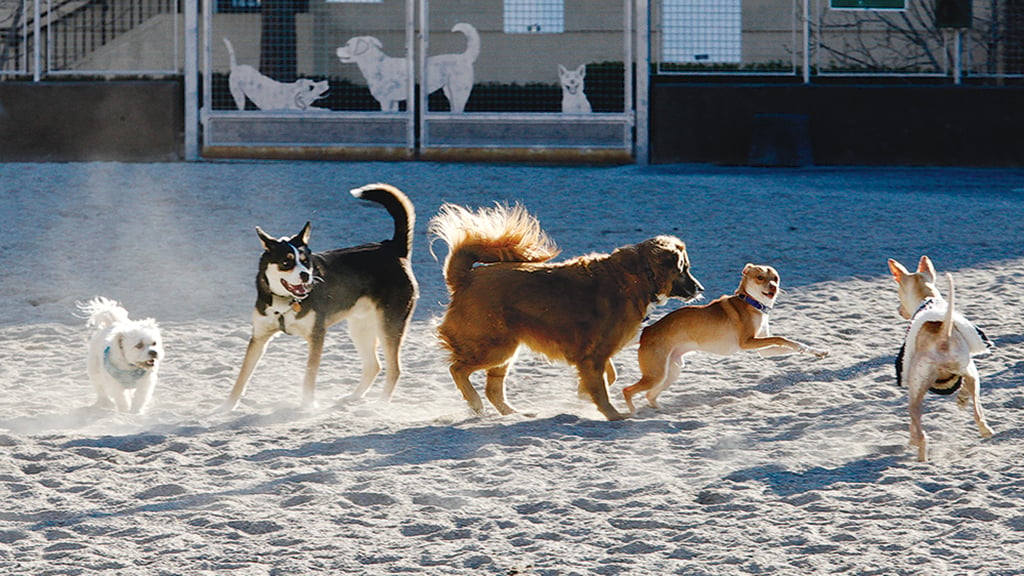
x,y
923,125
126,121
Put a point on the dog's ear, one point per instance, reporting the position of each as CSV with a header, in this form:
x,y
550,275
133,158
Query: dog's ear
x,y
562,71
925,266
363,44
302,237
582,70
266,239
897,269
747,268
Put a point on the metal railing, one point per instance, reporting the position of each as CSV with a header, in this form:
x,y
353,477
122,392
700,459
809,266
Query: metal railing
x,y
49,37
819,38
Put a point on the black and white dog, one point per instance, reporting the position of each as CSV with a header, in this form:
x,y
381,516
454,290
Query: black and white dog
x,y
304,293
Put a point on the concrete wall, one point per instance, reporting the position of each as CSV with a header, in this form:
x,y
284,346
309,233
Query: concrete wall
x,y
705,123
853,124
90,121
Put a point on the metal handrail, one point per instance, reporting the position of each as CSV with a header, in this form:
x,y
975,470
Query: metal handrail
x,y
71,30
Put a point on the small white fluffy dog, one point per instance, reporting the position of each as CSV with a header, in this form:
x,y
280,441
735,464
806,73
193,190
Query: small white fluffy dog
x,y
124,355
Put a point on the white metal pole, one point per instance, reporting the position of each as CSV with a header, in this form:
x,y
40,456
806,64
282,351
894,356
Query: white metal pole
x,y
807,42
410,70
37,31
643,71
191,72
957,69
422,100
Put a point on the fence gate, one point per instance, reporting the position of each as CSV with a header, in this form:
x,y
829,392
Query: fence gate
x,y
494,79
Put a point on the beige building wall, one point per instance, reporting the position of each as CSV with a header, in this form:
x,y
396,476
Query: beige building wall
x,y
771,36
593,34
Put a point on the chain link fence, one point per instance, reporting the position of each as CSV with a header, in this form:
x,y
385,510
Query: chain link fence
x,y
415,75
975,38
958,38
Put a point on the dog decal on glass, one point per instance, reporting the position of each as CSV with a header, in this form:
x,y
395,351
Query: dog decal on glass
x,y
388,76
574,101
244,81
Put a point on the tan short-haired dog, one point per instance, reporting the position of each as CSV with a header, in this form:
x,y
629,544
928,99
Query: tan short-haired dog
x,y
936,354
724,326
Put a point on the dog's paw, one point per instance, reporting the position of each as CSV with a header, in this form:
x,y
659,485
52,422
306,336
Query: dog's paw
x,y
817,352
616,416
229,405
351,399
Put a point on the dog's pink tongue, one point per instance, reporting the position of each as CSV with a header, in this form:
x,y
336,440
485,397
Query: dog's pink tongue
x,y
298,290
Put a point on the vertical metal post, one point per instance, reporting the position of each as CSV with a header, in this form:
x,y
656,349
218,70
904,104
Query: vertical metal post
x,y
421,102
191,73
642,65
957,55
807,42
37,57
410,99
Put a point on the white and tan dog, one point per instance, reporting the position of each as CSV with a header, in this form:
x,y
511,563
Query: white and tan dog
x,y
937,352
388,76
269,94
124,355
725,326
574,100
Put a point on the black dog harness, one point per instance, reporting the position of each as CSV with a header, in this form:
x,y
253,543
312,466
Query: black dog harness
x,y
945,387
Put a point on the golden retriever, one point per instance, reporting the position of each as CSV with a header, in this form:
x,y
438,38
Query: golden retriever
x,y
504,292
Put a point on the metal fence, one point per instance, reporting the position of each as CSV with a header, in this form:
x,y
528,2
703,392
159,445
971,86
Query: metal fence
x,y
954,38
418,78
119,37
968,38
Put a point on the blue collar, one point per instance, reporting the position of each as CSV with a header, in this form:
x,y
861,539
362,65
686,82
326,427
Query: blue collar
x,y
127,378
757,305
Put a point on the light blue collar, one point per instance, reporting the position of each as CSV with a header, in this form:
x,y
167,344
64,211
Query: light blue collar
x,y
127,378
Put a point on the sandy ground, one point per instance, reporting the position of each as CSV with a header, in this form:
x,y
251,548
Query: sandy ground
x,y
752,466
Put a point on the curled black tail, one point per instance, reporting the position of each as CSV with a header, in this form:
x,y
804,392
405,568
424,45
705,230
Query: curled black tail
x,y
400,208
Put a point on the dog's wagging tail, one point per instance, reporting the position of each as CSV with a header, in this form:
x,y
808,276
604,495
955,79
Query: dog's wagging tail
x,y
399,207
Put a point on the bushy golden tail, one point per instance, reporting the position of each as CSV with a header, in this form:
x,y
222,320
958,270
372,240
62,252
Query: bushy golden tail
x,y
500,233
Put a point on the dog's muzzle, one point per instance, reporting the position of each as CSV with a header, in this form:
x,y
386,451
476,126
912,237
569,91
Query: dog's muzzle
x,y
297,290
